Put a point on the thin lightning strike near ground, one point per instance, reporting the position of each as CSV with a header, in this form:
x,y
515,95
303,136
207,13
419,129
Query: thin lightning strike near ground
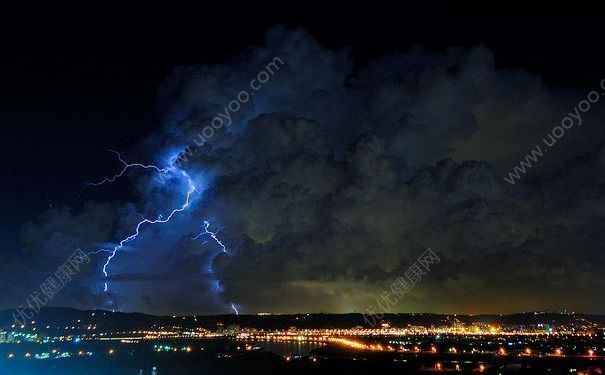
x,y
214,236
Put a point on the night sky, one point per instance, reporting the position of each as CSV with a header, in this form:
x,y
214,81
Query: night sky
x,y
380,135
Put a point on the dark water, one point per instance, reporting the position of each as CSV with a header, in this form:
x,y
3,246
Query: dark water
x,y
288,348
213,356
166,364
220,356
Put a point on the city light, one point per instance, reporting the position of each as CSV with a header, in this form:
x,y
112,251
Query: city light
x,y
456,340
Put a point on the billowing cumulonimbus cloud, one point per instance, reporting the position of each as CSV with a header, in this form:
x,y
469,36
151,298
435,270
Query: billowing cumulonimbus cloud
x,y
330,181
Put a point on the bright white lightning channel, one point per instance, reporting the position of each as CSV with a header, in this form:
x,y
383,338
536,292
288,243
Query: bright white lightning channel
x,y
159,220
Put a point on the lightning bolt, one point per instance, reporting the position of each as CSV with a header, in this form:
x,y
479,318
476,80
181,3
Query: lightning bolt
x,y
127,166
171,170
212,235
160,219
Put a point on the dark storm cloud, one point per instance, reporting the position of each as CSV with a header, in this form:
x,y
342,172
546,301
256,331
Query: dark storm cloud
x,y
330,182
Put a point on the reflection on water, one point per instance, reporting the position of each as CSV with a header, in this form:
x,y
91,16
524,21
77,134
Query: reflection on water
x,y
289,347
